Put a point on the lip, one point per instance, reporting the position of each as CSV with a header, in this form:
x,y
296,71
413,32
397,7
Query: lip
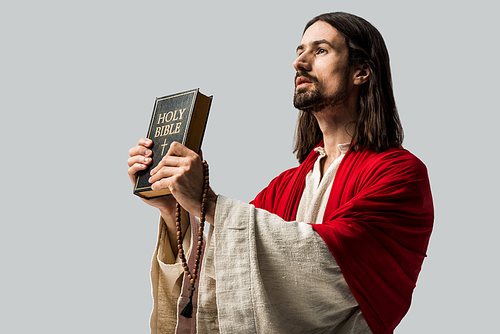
x,y
302,82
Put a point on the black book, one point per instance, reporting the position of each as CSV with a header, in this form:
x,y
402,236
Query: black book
x,y
180,117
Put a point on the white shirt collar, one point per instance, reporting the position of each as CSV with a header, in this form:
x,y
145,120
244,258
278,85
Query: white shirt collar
x,y
342,148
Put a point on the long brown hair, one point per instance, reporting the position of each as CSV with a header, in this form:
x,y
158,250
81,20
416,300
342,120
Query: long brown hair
x,y
378,126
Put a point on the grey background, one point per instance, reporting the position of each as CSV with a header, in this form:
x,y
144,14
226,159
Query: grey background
x,y
78,82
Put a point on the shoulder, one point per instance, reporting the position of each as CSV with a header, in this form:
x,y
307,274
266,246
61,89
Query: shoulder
x,y
395,159
288,182
393,167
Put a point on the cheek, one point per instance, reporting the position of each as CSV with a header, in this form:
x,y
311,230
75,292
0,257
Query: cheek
x,y
327,79
328,84
336,80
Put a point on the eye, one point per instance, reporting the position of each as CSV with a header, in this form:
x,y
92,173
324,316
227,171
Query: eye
x,y
320,51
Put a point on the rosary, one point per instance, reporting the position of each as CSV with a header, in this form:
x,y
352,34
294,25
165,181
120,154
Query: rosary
x,y
188,309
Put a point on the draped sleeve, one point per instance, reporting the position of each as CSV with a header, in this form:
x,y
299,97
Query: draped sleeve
x,y
377,225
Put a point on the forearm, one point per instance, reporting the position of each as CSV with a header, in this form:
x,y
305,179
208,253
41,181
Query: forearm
x,y
168,216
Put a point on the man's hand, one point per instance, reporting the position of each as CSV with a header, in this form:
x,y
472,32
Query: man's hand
x,y
181,170
140,158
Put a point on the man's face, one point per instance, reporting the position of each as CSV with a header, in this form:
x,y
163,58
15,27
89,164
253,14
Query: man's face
x,y
322,78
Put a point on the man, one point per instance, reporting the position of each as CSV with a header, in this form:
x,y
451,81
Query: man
x,y
308,254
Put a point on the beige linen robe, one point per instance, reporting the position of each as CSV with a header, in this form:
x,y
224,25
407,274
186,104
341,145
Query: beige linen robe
x,y
261,274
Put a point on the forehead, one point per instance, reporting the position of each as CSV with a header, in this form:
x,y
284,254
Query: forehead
x,y
322,31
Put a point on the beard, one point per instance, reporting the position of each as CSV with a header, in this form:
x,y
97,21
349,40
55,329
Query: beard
x,y
312,98
308,99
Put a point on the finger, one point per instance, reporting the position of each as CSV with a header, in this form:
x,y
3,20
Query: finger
x,y
134,169
168,161
182,157
179,150
164,172
145,142
163,183
139,150
138,159
141,147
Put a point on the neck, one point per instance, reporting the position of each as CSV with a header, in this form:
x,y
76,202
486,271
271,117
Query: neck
x,y
337,126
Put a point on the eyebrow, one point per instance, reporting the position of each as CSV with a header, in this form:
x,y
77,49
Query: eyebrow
x,y
314,43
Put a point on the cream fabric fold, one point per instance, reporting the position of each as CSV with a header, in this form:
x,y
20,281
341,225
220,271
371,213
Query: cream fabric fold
x,y
166,281
273,276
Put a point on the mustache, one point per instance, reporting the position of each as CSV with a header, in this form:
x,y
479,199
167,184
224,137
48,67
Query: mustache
x,y
305,75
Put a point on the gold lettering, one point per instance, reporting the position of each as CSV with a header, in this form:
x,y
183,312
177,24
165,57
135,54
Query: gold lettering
x,y
175,116
166,129
171,130
182,112
171,114
178,127
161,119
158,131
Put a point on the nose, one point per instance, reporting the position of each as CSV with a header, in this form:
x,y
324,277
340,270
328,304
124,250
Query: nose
x,y
302,63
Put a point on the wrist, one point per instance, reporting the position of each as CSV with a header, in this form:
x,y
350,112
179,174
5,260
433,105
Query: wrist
x,y
210,206
167,209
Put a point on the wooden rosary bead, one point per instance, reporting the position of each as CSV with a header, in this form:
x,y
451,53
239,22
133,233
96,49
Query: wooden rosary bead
x,y
192,275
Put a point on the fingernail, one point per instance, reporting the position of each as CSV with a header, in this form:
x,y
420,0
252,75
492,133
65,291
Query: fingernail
x,y
148,152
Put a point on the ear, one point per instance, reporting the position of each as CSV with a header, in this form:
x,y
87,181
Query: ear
x,y
361,74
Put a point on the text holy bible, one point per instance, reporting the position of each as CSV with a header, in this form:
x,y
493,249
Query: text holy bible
x,y
180,117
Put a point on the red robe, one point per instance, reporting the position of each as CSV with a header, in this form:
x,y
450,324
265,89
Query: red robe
x,y
377,224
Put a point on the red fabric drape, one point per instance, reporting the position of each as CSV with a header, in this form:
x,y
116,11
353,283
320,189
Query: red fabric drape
x,y
377,224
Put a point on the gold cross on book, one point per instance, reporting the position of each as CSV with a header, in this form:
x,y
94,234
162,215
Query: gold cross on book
x,y
163,145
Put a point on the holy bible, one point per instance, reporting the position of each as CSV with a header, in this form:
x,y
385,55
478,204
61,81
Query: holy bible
x,y
180,117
